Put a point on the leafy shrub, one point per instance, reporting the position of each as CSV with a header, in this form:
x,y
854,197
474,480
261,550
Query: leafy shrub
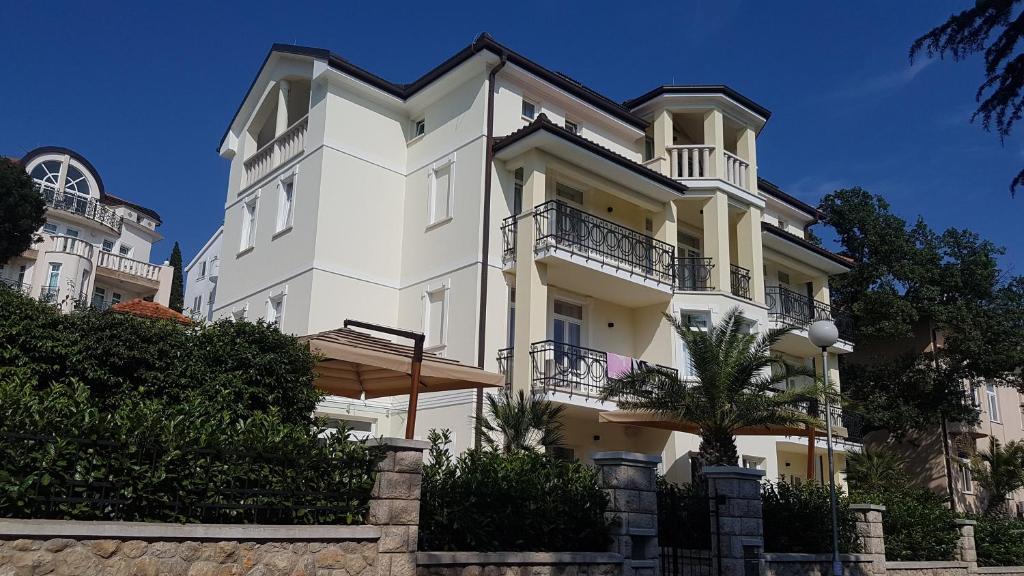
x,y
105,416
918,525
999,541
798,519
492,501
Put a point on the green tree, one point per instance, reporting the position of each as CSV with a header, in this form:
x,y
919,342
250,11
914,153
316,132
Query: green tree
x,y
1000,471
994,27
22,210
177,300
908,280
874,469
521,421
738,385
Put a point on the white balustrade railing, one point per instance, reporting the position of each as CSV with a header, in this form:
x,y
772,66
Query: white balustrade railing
x,y
737,170
72,245
284,147
691,160
127,265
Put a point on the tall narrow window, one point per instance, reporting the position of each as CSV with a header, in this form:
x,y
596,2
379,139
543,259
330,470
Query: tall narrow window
x,y
53,280
285,203
694,321
419,128
275,310
440,197
517,192
434,322
248,225
993,402
202,269
21,274
99,297
511,317
966,477
197,304
648,148
115,297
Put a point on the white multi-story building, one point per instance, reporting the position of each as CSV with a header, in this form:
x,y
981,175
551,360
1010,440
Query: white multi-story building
x,y
95,247
522,221
201,278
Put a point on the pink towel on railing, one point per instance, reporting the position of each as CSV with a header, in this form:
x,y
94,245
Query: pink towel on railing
x,y
619,366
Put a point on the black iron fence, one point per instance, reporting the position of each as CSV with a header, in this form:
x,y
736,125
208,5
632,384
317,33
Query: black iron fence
x,y
694,274
509,229
798,310
16,285
739,281
583,234
89,479
687,524
559,367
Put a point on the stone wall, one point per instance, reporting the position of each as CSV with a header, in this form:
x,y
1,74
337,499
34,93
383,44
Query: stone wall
x,y
927,568
814,564
71,548
518,564
1001,570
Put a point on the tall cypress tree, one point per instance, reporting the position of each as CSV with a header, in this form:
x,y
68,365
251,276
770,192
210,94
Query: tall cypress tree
x,y
177,283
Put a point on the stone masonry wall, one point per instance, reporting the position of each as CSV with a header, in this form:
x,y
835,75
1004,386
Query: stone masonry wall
x,y
518,564
79,557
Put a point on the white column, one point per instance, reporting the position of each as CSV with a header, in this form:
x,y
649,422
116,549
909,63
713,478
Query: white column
x,y
281,124
747,148
714,135
531,277
662,140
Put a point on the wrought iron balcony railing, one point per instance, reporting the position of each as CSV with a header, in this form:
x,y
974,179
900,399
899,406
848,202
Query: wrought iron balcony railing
x,y
694,274
739,281
592,237
509,229
15,284
793,309
81,205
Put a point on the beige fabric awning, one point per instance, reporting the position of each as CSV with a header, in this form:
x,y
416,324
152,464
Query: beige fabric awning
x,y
355,362
650,420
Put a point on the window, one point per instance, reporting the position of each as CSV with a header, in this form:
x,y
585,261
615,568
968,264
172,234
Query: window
x,y
435,321
115,297
197,304
248,225
202,269
76,182
648,148
511,317
72,232
993,402
966,477
239,315
108,246
285,203
569,193
753,462
99,296
695,320
440,196
782,224
561,453
52,280
48,173
21,274
125,250
419,128
50,228
358,429
275,310
529,109
517,192
784,280
571,126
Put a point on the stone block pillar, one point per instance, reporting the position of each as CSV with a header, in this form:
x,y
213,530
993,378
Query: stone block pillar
x,y
736,521
628,478
965,549
395,505
868,525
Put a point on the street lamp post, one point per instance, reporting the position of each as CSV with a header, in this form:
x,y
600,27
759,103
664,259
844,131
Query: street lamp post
x,y
823,333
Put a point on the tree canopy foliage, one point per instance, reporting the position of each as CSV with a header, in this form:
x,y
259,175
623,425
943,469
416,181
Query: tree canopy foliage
x,y
177,298
908,281
22,210
994,28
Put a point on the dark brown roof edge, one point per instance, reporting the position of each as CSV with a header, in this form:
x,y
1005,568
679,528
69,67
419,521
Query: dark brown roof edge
x,y
838,259
112,200
773,190
542,123
699,89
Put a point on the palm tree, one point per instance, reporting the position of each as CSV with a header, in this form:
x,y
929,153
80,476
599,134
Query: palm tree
x,y
1000,471
521,421
738,384
875,469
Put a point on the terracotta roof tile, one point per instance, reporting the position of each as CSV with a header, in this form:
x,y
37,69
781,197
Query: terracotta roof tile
x,y
152,310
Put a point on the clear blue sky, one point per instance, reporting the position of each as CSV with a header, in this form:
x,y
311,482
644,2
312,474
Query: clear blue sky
x,y
146,91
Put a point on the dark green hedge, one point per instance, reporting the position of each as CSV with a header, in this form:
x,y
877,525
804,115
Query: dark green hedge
x,y
798,519
999,541
492,501
918,524
106,416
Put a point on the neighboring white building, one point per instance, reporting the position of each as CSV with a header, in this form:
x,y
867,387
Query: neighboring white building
x,y
95,247
201,278
523,222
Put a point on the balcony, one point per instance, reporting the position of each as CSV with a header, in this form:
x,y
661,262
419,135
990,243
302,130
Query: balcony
x,y
739,281
694,162
83,206
694,274
71,245
574,373
16,285
273,154
795,310
133,269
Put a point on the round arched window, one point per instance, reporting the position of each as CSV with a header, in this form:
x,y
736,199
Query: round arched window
x,y
76,182
48,173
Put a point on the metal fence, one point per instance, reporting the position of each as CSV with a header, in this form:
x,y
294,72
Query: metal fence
x,y
687,526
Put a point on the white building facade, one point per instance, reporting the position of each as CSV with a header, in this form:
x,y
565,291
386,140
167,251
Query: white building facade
x,y
524,223
95,247
201,275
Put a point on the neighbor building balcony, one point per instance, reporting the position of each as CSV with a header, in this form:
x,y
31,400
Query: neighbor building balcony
x,y
85,207
570,373
270,156
795,310
123,267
